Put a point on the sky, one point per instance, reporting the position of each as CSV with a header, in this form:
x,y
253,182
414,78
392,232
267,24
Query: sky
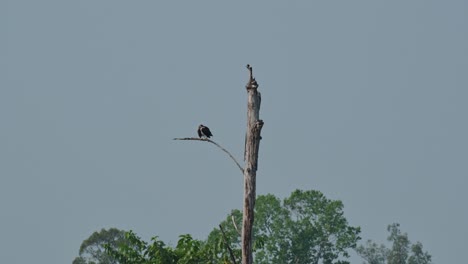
x,y
365,101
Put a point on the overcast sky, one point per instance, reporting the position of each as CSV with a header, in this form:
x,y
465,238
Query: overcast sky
x,y
365,101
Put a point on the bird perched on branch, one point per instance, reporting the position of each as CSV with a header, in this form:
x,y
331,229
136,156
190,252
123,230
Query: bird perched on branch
x,y
204,131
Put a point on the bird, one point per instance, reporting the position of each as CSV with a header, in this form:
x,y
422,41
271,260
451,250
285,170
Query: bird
x,y
204,131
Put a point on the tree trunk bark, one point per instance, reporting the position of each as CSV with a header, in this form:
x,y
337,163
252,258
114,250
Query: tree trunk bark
x,y
252,143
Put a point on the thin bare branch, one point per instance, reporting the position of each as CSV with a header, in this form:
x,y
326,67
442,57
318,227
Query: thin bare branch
x,y
216,144
227,245
234,223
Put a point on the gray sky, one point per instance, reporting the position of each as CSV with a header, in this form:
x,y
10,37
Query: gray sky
x,y
365,101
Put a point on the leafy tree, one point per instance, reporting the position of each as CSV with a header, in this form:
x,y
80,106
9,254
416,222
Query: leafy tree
x,y
217,243
399,253
304,228
80,260
137,251
373,253
418,256
92,249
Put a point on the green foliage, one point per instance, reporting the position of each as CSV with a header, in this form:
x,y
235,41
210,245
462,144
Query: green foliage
x,y
419,256
92,249
137,251
216,244
398,253
80,260
190,250
304,228
373,253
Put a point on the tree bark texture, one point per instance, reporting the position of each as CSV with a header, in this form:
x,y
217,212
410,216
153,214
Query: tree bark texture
x,y
252,143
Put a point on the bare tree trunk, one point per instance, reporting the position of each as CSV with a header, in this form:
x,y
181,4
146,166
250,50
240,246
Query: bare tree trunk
x,y
252,143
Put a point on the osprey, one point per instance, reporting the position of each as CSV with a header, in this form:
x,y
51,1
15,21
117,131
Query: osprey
x,y
204,131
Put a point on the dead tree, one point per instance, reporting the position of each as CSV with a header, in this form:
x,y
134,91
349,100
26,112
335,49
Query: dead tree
x,y
252,143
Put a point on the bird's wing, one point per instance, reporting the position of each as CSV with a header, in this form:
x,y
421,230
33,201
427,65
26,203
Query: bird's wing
x,y
207,132
199,132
